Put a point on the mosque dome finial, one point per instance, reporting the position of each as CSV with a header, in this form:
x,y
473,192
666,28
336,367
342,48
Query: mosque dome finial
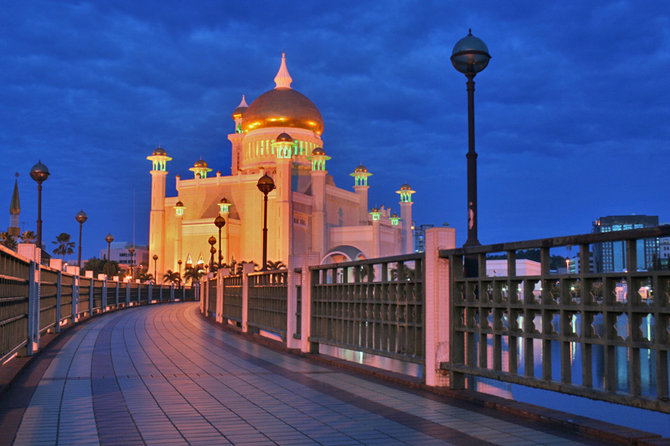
x,y
283,79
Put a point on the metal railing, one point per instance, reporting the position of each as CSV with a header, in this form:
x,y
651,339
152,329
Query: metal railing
x,y
267,301
211,289
35,299
232,298
374,306
602,335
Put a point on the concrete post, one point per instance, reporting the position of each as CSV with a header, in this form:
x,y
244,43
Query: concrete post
x,y
33,309
127,294
75,298
291,305
91,288
306,306
104,296
437,303
116,292
172,292
150,293
219,297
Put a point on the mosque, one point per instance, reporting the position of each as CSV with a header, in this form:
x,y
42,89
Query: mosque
x,y
309,218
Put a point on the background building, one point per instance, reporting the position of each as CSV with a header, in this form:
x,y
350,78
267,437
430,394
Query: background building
x,y
120,253
610,256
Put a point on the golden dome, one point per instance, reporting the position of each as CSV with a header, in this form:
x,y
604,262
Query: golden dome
x,y
282,107
361,168
284,137
159,151
405,187
318,151
200,163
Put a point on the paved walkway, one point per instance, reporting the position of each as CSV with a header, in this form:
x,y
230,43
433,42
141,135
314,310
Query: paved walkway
x,y
162,375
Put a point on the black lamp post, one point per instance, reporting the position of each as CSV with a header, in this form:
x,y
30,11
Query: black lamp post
x,y
155,257
81,218
219,222
265,185
109,239
212,241
179,263
39,173
470,56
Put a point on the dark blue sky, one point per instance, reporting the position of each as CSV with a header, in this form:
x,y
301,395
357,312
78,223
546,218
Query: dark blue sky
x,y
572,113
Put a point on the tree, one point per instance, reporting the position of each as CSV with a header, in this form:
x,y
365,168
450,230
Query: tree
x,y
144,276
100,266
274,266
240,266
192,275
172,276
28,237
63,245
8,240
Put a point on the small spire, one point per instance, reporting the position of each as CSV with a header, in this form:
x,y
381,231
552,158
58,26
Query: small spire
x,y
283,79
243,103
15,205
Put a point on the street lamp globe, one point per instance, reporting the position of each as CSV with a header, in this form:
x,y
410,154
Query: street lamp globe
x,y
81,217
470,55
109,238
39,172
265,184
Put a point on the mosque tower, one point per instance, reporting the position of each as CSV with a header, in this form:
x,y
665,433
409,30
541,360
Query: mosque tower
x,y
159,159
319,172
405,193
14,210
361,187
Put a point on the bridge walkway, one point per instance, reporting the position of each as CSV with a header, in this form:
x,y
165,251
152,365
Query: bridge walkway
x,y
163,375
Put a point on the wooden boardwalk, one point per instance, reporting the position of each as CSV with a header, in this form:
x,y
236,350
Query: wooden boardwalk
x,y
163,375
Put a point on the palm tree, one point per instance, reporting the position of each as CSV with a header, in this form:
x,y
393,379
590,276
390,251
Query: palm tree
x,y
145,277
172,276
192,274
274,266
240,266
8,240
63,245
28,237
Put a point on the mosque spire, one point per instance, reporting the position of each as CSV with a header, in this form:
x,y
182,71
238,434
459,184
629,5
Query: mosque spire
x,y
14,210
283,79
243,103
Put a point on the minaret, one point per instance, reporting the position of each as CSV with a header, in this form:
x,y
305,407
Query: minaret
x,y
283,146
224,211
236,138
405,193
14,210
361,187
283,79
159,159
179,212
319,172
375,213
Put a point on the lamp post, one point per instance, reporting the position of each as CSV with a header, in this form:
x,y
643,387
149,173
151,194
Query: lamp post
x,y
220,222
39,173
212,241
179,263
470,56
81,218
109,239
265,185
155,257
131,251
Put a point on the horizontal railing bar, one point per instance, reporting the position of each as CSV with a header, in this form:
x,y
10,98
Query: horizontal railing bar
x,y
582,239
390,259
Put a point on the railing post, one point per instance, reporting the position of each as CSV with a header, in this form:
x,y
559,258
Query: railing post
x,y
33,309
103,304
172,292
291,304
127,294
160,294
202,294
139,294
437,303
75,298
59,282
219,297
91,289
116,294
150,293
306,306
246,269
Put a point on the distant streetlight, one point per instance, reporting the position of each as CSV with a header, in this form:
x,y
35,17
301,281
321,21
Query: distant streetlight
x,y
109,239
219,222
265,185
567,265
212,249
470,56
81,218
39,173
155,257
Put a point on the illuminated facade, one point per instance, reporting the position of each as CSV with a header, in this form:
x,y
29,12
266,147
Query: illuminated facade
x,y
309,217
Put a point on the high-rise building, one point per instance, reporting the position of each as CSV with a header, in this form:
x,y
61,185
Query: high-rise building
x,y
611,256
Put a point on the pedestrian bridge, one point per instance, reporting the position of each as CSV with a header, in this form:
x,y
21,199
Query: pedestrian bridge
x,y
162,374
244,358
